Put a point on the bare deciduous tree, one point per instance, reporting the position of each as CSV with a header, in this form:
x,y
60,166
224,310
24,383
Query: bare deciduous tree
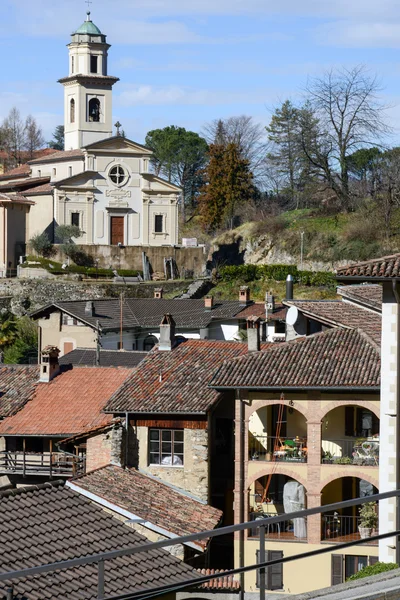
x,y
349,115
248,135
13,129
33,136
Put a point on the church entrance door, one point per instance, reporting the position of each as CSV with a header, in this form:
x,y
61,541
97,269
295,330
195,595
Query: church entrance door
x,y
117,230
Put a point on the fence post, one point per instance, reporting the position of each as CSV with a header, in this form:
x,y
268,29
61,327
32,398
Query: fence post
x,y
100,580
261,560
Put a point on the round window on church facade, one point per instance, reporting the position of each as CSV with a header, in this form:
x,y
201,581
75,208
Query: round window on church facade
x,y
118,175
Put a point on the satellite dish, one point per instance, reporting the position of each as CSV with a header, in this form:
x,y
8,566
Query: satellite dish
x,y
292,315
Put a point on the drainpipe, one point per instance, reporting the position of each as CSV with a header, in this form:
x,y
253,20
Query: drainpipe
x,y
241,491
397,298
126,439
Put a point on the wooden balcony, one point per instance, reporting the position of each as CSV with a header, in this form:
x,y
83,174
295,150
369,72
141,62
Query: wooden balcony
x,y
48,464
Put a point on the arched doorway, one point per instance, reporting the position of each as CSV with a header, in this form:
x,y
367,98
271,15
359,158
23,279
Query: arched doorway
x,y
278,494
342,524
278,433
149,342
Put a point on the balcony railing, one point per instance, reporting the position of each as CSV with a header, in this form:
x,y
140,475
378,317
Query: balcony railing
x,y
351,452
270,448
293,530
337,529
50,464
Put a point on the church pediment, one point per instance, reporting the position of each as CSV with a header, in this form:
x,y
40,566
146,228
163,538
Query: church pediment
x,y
160,185
83,180
116,143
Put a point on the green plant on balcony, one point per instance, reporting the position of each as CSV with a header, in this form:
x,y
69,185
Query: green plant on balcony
x,y
368,519
343,460
326,456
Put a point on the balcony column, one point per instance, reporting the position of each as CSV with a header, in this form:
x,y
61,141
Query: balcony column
x,y
389,478
313,521
313,479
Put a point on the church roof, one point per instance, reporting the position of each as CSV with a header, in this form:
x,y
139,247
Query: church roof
x,y
88,27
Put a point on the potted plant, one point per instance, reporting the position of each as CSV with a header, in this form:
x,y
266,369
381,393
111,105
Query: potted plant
x,y
327,457
368,519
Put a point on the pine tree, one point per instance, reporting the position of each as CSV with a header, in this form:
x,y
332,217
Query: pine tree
x,y
229,184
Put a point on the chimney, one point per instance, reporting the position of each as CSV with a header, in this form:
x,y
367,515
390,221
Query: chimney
x,y
158,293
167,333
289,287
208,302
244,294
253,334
269,303
89,308
49,365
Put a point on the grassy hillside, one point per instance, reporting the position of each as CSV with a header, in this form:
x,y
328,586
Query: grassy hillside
x,y
229,290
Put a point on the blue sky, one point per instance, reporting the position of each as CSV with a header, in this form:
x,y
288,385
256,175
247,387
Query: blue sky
x,y
187,62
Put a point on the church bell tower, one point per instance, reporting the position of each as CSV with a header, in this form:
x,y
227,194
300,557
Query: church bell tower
x,y
87,89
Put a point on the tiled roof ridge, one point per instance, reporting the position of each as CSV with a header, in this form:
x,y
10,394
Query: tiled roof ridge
x,y
369,261
368,339
303,340
38,486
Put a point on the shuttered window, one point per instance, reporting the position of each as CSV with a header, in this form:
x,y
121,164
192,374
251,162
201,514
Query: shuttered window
x,y
337,569
274,573
345,566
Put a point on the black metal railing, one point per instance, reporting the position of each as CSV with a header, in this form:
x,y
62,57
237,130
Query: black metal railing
x,y
41,463
360,451
290,530
342,528
271,448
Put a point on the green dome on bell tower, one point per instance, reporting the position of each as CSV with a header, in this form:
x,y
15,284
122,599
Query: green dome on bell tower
x,y
88,27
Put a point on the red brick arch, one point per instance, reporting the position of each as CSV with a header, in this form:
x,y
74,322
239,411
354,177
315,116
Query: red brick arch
x,y
276,469
349,472
361,403
258,404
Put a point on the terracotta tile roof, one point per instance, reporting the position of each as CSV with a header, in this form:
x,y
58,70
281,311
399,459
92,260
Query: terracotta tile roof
x,y
341,314
70,403
21,170
108,358
47,523
337,358
225,582
146,312
258,310
57,155
369,295
381,269
14,198
22,184
175,381
45,188
17,386
150,499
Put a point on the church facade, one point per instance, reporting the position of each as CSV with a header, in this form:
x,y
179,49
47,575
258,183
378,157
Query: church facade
x,y
101,181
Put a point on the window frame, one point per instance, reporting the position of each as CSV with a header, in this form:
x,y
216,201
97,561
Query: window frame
x,y
162,217
72,110
161,447
117,174
94,59
73,215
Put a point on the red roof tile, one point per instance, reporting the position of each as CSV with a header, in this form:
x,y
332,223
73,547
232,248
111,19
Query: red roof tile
x,y
17,385
225,582
57,155
70,403
341,314
150,499
175,381
14,198
381,269
368,295
45,188
337,358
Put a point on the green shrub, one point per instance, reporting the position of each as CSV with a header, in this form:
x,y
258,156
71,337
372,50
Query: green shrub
x,y
76,254
65,233
379,567
246,273
42,245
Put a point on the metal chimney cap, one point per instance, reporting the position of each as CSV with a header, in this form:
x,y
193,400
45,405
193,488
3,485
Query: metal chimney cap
x,y
289,277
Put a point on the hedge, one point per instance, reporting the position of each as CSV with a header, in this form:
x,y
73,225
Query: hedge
x,y
379,567
248,273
